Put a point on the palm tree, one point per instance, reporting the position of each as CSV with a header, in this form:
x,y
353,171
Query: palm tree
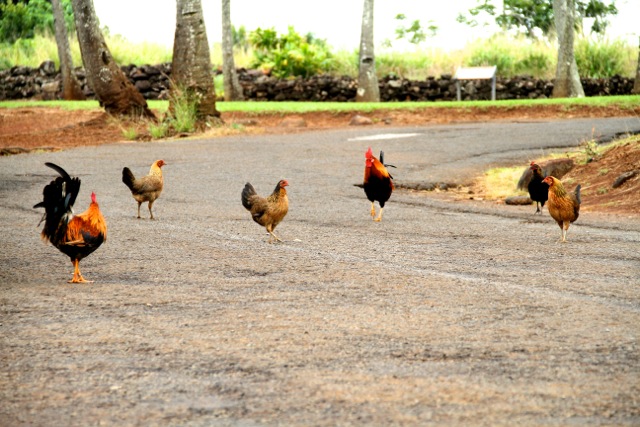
x,y
636,84
232,88
71,89
191,66
368,90
112,88
567,83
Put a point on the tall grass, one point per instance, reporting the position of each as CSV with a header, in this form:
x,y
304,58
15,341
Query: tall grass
x,y
603,58
33,52
513,56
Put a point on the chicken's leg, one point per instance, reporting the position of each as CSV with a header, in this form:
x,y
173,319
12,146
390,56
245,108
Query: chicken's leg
x,y
275,238
77,276
379,216
538,208
150,211
139,204
564,231
373,210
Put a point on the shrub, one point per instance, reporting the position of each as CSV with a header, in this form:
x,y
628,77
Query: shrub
x,y
24,20
290,54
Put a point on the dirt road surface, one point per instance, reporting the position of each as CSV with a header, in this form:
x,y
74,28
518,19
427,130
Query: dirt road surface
x,y
445,313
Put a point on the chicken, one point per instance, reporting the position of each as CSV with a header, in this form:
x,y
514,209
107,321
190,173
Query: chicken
x,y
378,183
564,207
147,188
268,211
77,236
538,190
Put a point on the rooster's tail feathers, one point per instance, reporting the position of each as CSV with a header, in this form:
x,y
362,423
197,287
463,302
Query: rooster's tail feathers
x,y
128,178
577,193
58,199
247,192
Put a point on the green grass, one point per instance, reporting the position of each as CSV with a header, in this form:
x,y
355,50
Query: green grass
x,y
624,102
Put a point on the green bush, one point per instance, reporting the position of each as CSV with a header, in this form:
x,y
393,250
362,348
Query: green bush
x,y
25,20
289,55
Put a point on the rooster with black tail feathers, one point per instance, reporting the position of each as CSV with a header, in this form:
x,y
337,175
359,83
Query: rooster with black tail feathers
x,y
76,236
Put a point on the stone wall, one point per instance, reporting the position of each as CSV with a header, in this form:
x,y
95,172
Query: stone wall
x,y
153,82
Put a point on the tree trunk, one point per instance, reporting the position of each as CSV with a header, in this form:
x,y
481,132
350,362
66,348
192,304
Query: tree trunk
x,y
113,89
232,88
636,84
71,88
567,83
191,66
368,90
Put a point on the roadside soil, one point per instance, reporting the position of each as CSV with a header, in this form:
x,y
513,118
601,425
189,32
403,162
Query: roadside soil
x,y
26,129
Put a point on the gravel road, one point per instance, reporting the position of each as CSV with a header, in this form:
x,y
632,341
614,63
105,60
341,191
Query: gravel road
x,y
445,313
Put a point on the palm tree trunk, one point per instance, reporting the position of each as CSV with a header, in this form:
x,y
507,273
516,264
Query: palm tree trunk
x,y
567,83
368,90
191,66
71,89
636,84
113,89
232,88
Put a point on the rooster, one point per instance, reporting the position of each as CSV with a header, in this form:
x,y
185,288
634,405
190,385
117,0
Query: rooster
x,y
269,211
378,183
77,236
563,207
538,190
147,188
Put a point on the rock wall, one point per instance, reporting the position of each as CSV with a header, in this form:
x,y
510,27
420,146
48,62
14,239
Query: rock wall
x,y
153,82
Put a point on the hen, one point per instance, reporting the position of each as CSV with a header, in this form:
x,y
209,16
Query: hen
x,y
77,236
378,184
268,211
538,190
147,188
563,207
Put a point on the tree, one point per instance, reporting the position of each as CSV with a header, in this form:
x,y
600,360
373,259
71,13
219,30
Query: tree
x,y
71,89
191,66
113,89
368,90
232,88
636,84
532,14
567,83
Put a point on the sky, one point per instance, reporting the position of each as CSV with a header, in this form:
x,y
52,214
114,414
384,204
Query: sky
x,y
337,21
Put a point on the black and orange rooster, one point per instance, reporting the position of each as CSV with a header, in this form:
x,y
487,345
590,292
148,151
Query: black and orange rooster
x,y
77,236
563,207
378,183
538,190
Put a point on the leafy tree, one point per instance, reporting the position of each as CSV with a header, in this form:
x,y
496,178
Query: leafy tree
x,y
415,33
532,14
24,19
290,54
